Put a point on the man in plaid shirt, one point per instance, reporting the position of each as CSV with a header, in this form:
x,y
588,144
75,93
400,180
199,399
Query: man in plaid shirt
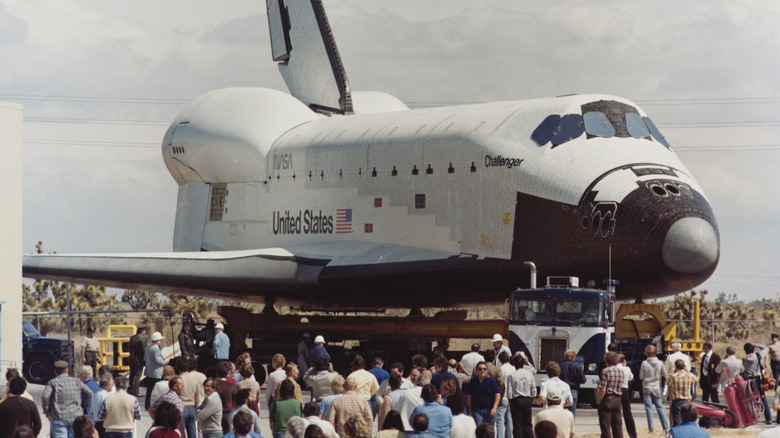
x,y
348,405
610,392
64,399
679,384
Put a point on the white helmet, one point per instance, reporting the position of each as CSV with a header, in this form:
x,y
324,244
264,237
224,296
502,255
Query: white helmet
x,y
157,336
497,338
319,340
219,326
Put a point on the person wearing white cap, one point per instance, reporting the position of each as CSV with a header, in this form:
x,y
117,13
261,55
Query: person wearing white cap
x,y
318,350
154,365
498,346
221,343
563,419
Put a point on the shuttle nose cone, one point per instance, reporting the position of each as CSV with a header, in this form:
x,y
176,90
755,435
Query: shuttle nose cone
x,y
691,246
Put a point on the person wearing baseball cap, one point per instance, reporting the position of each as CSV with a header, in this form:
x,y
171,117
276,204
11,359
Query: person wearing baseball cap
x,y
64,399
154,366
221,343
563,419
318,350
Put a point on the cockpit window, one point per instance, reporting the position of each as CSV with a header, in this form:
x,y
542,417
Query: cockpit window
x,y
603,118
597,124
571,127
655,132
544,132
636,126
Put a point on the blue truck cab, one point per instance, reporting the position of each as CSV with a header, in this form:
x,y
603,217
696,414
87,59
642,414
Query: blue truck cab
x,y
39,354
545,322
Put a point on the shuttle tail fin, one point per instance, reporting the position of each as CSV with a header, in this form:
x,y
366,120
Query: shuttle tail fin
x,y
303,45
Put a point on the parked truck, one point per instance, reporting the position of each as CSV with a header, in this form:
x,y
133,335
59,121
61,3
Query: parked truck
x,y
39,354
544,323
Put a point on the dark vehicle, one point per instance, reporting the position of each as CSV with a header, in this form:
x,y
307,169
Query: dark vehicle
x,y
39,354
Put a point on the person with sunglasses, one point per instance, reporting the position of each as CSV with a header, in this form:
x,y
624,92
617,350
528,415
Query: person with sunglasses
x,y
483,396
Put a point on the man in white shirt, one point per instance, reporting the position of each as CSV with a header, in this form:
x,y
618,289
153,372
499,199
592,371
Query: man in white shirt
x,y
672,358
562,418
312,414
470,360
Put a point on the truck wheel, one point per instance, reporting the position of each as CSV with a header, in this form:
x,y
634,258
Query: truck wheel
x,y
38,369
591,397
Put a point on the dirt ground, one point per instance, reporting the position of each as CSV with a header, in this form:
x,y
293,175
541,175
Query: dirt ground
x,y
714,433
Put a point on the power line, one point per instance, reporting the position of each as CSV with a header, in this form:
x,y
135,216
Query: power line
x,y
94,143
95,99
179,101
96,121
728,124
728,148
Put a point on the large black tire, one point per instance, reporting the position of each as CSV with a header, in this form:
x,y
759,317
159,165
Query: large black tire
x,y
730,420
38,369
714,423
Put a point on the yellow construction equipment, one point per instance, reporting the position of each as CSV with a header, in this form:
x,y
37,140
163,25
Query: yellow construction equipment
x,y
645,321
113,349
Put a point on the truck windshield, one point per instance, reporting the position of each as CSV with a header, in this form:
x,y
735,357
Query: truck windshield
x,y
579,310
534,309
29,330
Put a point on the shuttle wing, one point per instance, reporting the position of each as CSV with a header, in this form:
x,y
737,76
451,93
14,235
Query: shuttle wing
x,y
303,45
362,274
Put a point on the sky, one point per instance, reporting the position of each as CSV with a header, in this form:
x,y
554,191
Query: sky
x,y
101,81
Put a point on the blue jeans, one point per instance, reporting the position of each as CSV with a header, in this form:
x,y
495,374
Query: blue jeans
x,y
674,409
190,424
652,397
61,428
483,416
503,422
574,395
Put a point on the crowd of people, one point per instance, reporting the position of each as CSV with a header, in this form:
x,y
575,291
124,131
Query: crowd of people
x,y
486,394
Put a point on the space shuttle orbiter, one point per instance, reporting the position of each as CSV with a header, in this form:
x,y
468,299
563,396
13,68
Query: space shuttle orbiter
x,y
334,198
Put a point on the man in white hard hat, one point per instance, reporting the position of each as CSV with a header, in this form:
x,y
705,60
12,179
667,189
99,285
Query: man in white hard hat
x,y
318,350
498,347
221,343
154,365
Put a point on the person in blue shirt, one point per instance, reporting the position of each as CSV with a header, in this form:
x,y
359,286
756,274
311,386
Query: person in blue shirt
x,y
439,417
221,343
378,372
86,376
420,426
317,351
381,375
154,366
689,428
484,395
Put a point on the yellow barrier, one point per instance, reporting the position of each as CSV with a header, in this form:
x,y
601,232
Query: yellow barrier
x,y
112,347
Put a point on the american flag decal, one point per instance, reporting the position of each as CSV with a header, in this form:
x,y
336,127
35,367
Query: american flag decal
x,y
343,220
